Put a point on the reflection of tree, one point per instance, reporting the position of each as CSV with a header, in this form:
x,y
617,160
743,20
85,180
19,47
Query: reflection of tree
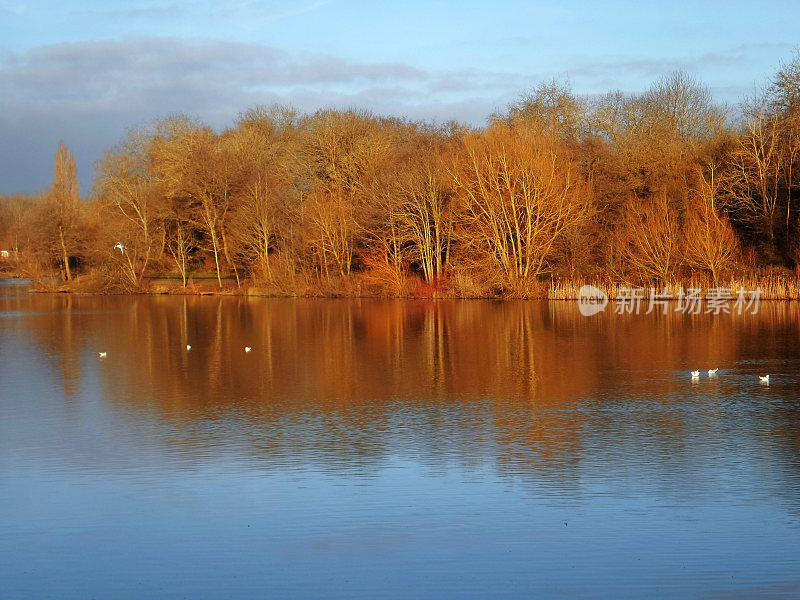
x,y
526,387
57,326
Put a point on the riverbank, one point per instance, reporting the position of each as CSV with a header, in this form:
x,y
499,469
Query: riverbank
x,y
766,286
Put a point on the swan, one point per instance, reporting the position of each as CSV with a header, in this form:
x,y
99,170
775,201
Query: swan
x,y
695,374
102,354
712,372
763,378
247,348
188,347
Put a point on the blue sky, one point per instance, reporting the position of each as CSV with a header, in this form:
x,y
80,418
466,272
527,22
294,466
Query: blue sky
x,y
84,71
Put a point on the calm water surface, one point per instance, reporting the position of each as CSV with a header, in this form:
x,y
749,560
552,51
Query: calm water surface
x,y
366,449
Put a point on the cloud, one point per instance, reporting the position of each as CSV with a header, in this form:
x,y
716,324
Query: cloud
x,y
198,13
101,75
607,68
12,8
157,11
87,93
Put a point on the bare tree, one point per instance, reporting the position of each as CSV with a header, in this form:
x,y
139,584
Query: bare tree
x,y
785,99
709,240
133,201
649,238
266,145
200,170
341,153
550,109
260,222
64,204
14,214
757,167
179,243
656,135
420,204
521,192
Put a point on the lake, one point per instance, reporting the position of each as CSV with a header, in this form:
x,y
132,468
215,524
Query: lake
x,y
399,449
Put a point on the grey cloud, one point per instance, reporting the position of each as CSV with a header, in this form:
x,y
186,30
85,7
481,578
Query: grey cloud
x,y
149,60
12,8
259,8
208,11
610,68
472,79
87,93
149,11
98,74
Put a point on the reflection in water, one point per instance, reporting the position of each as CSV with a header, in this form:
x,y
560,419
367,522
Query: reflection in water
x,y
595,412
515,376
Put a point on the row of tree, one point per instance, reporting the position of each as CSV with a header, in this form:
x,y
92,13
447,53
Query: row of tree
x,y
651,187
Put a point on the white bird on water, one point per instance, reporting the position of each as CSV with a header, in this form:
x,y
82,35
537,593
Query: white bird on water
x,y
247,348
188,347
712,372
102,354
764,379
695,374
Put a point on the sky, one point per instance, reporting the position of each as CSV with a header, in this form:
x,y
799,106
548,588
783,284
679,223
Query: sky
x,y
85,72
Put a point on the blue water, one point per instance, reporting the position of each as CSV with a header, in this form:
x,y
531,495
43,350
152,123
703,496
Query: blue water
x,y
393,449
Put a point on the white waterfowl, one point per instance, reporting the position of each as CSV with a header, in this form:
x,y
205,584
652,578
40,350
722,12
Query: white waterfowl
x,y
102,354
247,348
763,378
695,374
188,347
712,372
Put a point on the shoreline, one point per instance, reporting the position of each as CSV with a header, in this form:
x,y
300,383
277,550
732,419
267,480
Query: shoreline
x,y
766,289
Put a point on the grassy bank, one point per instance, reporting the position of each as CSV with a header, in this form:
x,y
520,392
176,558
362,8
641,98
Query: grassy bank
x,y
771,286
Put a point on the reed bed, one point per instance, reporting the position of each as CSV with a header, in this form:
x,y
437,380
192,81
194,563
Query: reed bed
x,y
772,286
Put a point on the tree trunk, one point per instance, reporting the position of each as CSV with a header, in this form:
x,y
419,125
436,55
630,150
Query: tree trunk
x,y
64,255
215,248
228,256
